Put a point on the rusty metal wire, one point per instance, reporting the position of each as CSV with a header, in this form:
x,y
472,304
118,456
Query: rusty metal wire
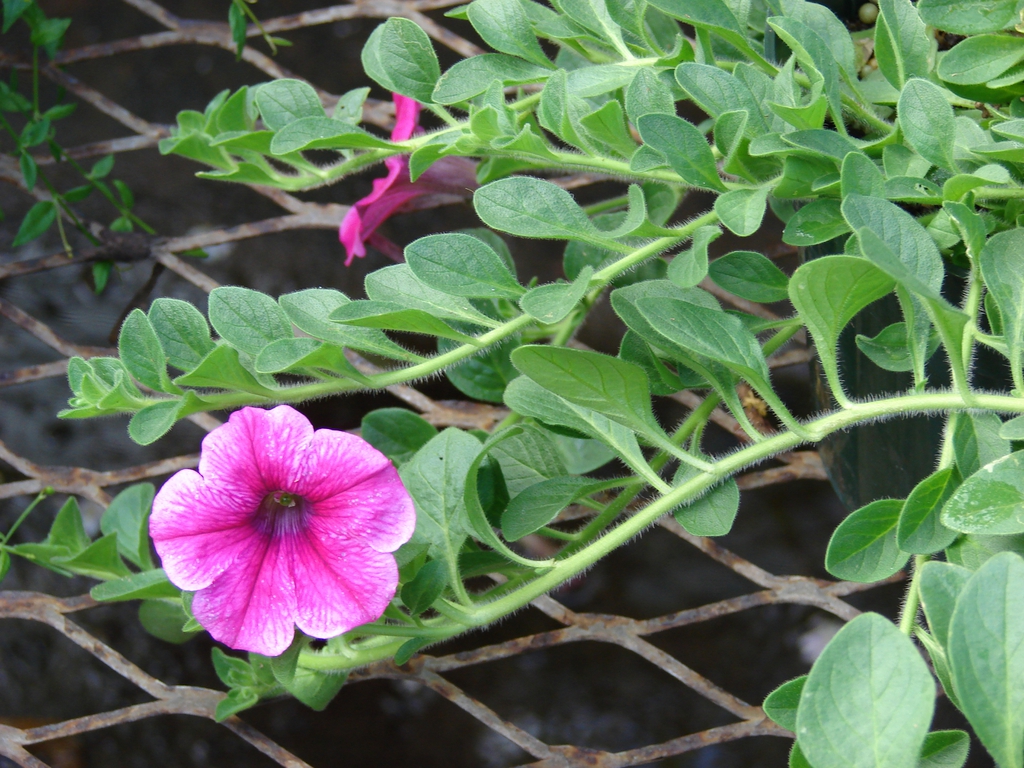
x,y
424,669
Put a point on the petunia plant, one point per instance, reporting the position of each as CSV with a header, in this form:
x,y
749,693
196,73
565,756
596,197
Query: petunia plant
x,y
895,151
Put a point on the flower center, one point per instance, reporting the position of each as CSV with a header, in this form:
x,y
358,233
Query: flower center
x,y
281,513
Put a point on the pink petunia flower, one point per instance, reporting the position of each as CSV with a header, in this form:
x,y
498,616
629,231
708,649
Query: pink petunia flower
x,y
283,527
447,180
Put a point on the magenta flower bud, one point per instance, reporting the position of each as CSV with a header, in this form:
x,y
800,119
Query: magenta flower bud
x,y
447,180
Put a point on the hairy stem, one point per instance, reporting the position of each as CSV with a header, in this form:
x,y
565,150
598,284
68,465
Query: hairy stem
x,y
726,466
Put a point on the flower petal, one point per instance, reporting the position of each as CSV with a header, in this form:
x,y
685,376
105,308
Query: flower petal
x,y
335,461
338,587
196,532
266,444
407,116
350,235
377,512
228,461
251,606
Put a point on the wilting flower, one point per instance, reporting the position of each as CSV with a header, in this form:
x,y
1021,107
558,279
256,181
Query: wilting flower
x,y
445,181
283,527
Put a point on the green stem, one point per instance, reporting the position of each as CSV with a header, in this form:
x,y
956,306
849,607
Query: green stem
x,y
908,617
607,205
47,491
455,578
485,613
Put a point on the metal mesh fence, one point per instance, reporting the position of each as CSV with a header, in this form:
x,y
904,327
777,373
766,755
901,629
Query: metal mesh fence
x,y
424,669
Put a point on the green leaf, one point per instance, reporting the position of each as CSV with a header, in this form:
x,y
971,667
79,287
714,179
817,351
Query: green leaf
x,y
920,529
461,265
128,517
428,584
13,10
817,222
38,219
481,524
140,350
973,551
689,267
182,332
237,700
436,479
926,118
310,311
1013,429
247,319
945,749
918,260
528,398
504,25
302,352
485,375
863,547
711,514
531,207
647,94
138,586
396,432
554,301
393,316
991,501
528,457
154,421
715,16
608,385
536,506
409,649
742,210
815,57
398,285
685,148
580,454
890,349
941,584
986,656
232,671
978,60
781,704
860,175
750,276
165,619
5,563
239,26
67,530
314,688
284,101
606,127
708,333
29,169
1002,267
322,132
976,441
221,369
471,77
635,349
968,17
718,92
399,56
100,560
903,47
868,699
